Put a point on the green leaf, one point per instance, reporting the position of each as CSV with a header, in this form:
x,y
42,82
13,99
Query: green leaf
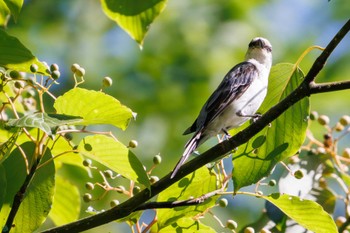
x,y
66,205
14,55
135,17
38,197
4,14
15,7
6,147
257,158
193,185
187,225
307,213
94,107
43,121
114,155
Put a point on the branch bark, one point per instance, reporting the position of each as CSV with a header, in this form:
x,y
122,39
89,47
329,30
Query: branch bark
x,y
307,88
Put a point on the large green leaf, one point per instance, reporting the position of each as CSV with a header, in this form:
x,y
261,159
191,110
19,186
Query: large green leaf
x,y
307,213
66,205
134,16
194,185
282,139
95,107
14,55
114,155
15,7
38,197
43,121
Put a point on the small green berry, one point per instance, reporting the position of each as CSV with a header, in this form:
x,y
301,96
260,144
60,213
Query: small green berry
x,y
80,72
14,74
231,224
345,120
120,189
88,147
89,186
153,179
249,230
55,74
157,159
313,115
136,190
322,182
298,174
114,203
18,85
133,144
223,202
107,82
346,153
339,127
74,67
87,197
272,183
87,162
108,173
54,67
340,221
34,68
323,120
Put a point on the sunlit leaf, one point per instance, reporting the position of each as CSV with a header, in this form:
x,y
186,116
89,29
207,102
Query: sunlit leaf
x,y
15,7
307,213
114,155
14,55
135,16
38,197
66,205
257,158
194,185
4,14
94,107
43,121
6,147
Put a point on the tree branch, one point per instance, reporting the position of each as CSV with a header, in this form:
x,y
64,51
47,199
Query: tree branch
x,y
306,88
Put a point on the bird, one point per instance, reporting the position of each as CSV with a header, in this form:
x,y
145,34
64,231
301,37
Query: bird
x,y
235,100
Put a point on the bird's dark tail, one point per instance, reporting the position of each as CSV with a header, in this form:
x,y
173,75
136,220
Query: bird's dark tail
x,y
190,146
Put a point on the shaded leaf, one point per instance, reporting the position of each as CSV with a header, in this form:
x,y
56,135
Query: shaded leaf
x,y
307,213
38,198
94,107
193,185
43,121
14,55
135,17
283,138
114,155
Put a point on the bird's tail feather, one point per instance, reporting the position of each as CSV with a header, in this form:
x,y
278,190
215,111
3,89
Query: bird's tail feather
x,y
190,146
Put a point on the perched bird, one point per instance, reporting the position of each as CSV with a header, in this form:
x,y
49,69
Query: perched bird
x,y
236,99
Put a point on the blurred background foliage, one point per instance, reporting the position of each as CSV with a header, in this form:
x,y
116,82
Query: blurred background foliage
x,y
186,53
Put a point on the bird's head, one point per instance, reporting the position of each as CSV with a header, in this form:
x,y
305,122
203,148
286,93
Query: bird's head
x,y
260,49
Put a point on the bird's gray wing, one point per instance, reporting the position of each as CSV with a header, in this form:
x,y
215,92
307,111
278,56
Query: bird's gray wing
x,y
235,83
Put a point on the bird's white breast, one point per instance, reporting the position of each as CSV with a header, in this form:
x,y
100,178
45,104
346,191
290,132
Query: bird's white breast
x,y
247,104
